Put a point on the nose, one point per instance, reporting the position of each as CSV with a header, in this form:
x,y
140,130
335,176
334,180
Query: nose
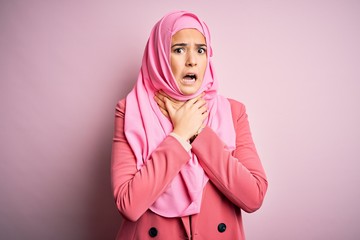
x,y
191,59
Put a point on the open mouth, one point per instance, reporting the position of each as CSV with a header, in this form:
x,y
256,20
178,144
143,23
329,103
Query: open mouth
x,y
190,78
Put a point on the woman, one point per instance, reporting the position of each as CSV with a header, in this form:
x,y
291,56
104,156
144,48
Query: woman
x,y
184,164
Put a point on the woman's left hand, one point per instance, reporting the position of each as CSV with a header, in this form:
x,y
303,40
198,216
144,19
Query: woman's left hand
x,y
159,99
187,117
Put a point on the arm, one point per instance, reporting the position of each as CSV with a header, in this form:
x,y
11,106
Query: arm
x,y
240,175
135,190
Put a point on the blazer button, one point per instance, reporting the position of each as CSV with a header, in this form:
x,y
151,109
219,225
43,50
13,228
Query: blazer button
x,y
221,227
153,232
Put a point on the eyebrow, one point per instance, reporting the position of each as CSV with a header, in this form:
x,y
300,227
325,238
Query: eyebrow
x,y
185,44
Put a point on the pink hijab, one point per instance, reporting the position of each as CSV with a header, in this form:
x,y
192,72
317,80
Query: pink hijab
x,y
146,127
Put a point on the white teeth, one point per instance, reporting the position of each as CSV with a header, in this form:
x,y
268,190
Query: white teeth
x,y
192,76
189,79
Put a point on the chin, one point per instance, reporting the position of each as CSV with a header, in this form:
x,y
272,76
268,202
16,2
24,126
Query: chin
x,y
187,88
187,91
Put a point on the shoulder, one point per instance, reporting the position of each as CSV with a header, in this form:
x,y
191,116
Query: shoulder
x,y
120,107
237,108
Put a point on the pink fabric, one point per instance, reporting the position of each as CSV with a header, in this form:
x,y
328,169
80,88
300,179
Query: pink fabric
x,y
146,127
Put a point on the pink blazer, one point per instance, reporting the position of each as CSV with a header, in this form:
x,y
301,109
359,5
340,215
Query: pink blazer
x,y
237,182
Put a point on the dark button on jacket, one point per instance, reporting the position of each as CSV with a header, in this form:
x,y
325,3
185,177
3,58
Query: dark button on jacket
x,y
153,232
221,227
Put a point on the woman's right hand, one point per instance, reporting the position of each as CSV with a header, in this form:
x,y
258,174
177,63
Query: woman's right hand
x,y
189,118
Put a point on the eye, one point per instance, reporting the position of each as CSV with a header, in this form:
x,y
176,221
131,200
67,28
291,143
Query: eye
x,y
179,50
202,50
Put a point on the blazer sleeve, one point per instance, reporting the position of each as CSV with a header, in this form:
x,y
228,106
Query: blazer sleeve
x,y
238,175
136,190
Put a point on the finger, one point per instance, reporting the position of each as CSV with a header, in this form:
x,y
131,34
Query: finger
x,y
160,94
169,107
163,111
200,103
194,100
205,114
159,101
201,96
163,95
203,109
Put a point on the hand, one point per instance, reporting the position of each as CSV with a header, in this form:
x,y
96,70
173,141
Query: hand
x,y
189,118
160,100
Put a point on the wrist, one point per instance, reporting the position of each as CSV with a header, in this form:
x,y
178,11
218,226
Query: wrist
x,y
191,139
186,145
181,134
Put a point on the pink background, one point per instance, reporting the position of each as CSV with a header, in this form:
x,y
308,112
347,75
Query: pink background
x,y
65,64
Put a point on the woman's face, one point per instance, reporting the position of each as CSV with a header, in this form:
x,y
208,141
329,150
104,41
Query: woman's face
x,y
188,59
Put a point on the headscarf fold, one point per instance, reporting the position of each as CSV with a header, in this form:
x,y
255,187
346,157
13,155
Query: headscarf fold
x,y
146,127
